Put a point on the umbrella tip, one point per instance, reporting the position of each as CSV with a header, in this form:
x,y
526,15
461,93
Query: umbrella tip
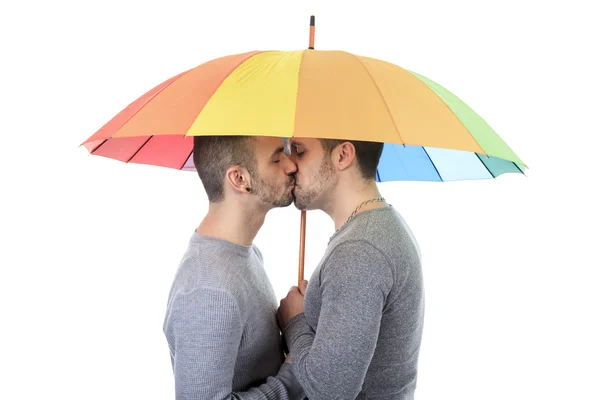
x,y
311,39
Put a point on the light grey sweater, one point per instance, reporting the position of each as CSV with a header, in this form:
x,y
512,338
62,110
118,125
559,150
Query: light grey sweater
x,y
360,334
221,326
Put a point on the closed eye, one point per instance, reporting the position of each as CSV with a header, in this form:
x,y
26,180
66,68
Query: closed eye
x,y
298,151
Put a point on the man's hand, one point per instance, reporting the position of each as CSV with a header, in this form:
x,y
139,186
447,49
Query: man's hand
x,y
292,305
303,287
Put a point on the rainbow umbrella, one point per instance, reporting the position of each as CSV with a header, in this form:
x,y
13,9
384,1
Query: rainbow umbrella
x,y
429,133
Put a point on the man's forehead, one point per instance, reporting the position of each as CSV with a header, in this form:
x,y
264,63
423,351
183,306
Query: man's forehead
x,y
299,142
289,142
267,145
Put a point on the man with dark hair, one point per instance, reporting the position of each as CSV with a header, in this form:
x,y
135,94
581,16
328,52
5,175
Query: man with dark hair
x,y
220,322
356,333
367,154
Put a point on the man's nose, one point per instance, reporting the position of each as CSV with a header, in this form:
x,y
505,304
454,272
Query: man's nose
x,y
289,166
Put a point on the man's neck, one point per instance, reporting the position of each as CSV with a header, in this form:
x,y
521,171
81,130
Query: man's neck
x,y
234,223
348,196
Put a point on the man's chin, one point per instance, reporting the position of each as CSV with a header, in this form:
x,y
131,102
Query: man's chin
x,y
299,206
284,202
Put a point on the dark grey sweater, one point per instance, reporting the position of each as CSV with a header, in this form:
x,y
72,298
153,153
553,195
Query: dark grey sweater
x,y
221,326
360,334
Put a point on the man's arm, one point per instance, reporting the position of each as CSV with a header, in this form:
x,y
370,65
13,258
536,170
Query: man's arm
x,y
206,329
333,362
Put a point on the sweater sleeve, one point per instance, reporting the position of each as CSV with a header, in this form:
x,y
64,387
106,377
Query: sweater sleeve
x,y
206,329
333,361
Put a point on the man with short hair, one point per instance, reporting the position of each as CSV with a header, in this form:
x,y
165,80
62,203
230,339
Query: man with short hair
x,y
356,333
220,322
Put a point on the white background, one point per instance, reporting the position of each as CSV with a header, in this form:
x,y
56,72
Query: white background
x,y
90,246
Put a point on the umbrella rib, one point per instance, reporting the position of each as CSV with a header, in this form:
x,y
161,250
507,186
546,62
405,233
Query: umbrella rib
x,y
486,167
152,98
519,168
138,150
451,112
187,158
296,99
97,147
219,85
431,161
146,102
381,95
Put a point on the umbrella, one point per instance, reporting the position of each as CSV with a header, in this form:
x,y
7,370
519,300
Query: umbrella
x,y
429,134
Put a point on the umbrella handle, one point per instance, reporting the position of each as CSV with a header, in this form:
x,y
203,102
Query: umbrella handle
x,y
311,46
302,240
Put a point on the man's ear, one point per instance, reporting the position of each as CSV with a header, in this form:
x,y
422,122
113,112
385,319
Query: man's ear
x,y
238,179
344,155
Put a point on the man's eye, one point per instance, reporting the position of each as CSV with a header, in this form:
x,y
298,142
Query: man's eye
x,y
276,161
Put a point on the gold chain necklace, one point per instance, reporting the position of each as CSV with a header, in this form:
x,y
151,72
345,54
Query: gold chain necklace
x,y
364,203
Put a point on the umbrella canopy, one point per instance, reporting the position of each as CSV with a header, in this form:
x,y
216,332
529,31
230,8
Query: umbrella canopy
x,y
429,133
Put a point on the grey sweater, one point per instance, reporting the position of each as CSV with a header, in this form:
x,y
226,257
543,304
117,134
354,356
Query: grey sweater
x,y
221,326
360,333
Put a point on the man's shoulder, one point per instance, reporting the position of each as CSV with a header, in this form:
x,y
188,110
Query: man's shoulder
x,y
198,284
387,231
381,237
211,270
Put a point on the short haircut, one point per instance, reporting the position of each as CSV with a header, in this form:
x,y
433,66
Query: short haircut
x,y
367,154
213,155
